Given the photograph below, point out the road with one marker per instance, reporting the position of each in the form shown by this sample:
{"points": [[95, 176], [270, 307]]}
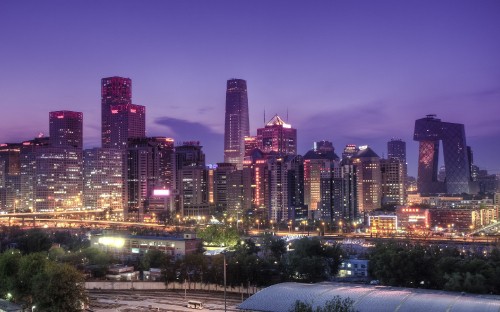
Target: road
{"points": [[133, 300]]}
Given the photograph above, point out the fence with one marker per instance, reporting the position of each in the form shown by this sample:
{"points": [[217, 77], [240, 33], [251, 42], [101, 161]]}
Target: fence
{"points": [[138, 285]]}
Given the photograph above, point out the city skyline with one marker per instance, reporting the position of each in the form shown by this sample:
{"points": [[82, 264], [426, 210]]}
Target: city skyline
{"points": [[333, 68]]}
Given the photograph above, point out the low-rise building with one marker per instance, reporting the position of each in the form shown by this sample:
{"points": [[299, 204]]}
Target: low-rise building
{"points": [[353, 268], [122, 244], [383, 224]]}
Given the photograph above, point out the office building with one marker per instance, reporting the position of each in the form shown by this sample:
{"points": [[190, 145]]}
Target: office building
{"points": [[114, 91], [350, 150], [237, 125], [65, 128], [191, 180], [429, 131], [393, 173], [10, 171], [121, 120], [369, 180], [277, 136], [103, 180], [316, 160], [396, 148]]}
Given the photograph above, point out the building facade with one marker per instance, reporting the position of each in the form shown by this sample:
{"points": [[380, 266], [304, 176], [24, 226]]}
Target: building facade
{"points": [[429, 131], [237, 125]]}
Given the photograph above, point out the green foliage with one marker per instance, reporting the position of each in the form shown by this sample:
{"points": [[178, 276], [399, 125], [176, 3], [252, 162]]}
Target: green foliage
{"points": [[219, 235], [59, 288], [311, 261], [34, 240], [409, 265], [337, 304], [9, 266], [36, 280], [154, 259]]}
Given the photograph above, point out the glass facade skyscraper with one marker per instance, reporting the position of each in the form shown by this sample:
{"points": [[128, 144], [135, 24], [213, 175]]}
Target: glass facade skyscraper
{"points": [[429, 131], [237, 125]]}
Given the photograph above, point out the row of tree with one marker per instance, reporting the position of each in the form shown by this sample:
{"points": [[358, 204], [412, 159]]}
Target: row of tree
{"points": [[426, 266], [39, 282]]}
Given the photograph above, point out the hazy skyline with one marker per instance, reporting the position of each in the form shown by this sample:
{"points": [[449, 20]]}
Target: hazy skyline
{"points": [[356, 72]]}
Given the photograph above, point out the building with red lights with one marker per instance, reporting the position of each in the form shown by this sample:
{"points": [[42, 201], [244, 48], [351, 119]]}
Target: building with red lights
{"points": [[65, 128], [114, 91], [413, 218]]}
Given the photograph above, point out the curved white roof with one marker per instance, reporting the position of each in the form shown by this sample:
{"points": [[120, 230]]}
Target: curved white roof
{"points": [[281, 298]]}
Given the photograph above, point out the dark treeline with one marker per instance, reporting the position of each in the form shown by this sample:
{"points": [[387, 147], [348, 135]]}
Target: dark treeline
{"points": [[447, 268]]}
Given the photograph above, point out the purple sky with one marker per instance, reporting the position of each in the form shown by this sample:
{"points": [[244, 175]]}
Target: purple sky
{"points": [[347, 71]]}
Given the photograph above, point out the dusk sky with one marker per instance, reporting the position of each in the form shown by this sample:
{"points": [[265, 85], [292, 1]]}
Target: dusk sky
{"points": [[356, 72]]}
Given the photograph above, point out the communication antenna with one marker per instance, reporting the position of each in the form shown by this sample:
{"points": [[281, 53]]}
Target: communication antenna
{"points": [[287, 114], [264, 115]]}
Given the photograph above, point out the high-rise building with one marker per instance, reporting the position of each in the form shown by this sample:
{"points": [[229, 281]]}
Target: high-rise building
{"points": [[297, 209], [250, 145], [393, 172], [221, 185], [316, 160], [396, 148], [114, 91], [278, 189], [237, 125], [28, 160], [350, 150], [65, 128], [121, 120], [191, 180], [10, 187], [149, 169], [369, 180], [277, 136], [103, 180], [429, 131], [58, 178]]}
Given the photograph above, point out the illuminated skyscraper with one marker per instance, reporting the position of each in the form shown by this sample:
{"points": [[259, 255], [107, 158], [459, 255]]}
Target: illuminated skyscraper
{"points": [[396, 148], [369, 179], [429, 131], [315, 161], [103, 180], [121, 120], [277, 136], [237, 126], [191, 180], [65, 128]]}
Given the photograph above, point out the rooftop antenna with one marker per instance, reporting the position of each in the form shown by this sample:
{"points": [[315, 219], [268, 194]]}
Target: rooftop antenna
{"points": [[287, 114], [264, 115]]}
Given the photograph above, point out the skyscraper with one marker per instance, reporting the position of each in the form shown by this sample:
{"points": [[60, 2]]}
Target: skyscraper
{"points": [[237, 126], [65, 128], [369, 180], [103, 180], [121, 120], [114, 91], [396, 148], [277, 136], [429, 131]]}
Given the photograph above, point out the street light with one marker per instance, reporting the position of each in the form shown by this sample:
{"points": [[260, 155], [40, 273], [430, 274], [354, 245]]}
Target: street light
{"points": [[340, 226], [258, 225]]}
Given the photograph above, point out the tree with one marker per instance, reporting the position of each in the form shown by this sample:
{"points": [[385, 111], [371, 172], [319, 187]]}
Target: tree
{"points": [[154, 259], [34, 240], [219, 235], [311, 261], [59, 288], [29, 267], [9, 266], [337, 304]]}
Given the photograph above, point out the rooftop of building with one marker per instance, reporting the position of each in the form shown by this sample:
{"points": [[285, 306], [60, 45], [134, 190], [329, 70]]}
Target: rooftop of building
{"points": [[282, 297]]}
